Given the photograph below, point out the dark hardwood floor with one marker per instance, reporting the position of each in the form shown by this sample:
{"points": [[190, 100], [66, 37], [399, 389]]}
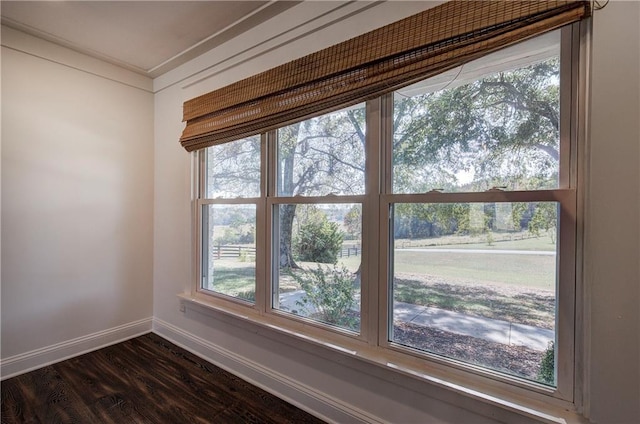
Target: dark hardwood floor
{"points": [[142, 380]]}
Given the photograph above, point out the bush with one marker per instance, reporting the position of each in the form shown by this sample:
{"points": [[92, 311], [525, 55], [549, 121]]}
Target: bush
{"points": [[547, 366], [331, 292], [318, 240], [249, 295]]}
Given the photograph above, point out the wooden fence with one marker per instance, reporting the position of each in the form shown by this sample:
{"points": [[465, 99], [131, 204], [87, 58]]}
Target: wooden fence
{"points": [[231, 251], [348, 251]]}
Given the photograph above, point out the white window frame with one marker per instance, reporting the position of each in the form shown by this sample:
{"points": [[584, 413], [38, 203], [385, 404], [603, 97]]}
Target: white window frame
{"points": [[372, 344], [565, 194]]}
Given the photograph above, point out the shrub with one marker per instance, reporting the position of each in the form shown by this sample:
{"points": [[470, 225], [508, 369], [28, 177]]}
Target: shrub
{"points": [[547, 366], [318, 240], [331, 292], [248, 295]]}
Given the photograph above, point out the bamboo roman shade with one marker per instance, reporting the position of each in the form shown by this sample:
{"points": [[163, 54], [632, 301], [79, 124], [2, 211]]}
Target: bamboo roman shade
{"points": [[380, 61]]}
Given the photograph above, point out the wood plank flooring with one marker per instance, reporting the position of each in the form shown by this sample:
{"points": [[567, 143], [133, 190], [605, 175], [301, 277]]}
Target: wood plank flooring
{"points": [[142, 380]]}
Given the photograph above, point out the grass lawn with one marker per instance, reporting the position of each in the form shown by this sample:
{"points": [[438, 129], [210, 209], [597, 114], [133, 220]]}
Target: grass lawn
{"points": [[536, 271], [516, 288], [519, 288], [234, 278]]}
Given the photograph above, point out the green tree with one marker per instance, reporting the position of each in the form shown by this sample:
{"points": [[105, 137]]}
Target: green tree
{"points": [[545, 218], [502, 130], [243, 234], [233, 167], [417, 220], [320, 156], [518, 211], [353, 221]]}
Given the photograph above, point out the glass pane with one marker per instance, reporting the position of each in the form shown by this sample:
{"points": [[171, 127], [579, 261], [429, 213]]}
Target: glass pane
{"points": [[323, 155], [233, 169], [317, 254], [477, 282], [229, 250], [493, 123]]}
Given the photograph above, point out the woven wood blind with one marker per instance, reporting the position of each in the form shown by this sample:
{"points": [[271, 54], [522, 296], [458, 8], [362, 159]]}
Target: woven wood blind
{"points": [[369, 65]]}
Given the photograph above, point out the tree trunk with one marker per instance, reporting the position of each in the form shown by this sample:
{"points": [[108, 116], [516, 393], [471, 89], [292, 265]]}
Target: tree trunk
{"points": [[287, 213], [287, 141]]}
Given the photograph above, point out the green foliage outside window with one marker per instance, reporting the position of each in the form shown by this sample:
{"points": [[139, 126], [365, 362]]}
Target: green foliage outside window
{"points": [[547, 366], [317, 240], [353, 222], [330, 293]]}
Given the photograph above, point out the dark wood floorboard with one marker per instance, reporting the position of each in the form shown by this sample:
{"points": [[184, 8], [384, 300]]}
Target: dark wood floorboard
{"points": [[142, 380]]}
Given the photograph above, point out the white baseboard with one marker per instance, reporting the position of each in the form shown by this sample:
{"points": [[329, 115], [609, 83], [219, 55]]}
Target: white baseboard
{"points": [[304, 397], [29, 361]]}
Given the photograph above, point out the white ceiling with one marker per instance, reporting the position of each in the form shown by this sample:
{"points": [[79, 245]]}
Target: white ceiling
{"points": [[147, 37]]}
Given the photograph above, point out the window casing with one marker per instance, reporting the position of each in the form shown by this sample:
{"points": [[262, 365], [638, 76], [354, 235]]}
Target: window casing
{"points": [[378, 193]]}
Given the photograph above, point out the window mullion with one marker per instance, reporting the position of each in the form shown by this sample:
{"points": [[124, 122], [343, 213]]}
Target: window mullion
{"points": [[370, 231], [570, 126], [262, 280], [566, 170], [384, 304], [565, 324], [270, 173], [200, 193], [201, 188]]}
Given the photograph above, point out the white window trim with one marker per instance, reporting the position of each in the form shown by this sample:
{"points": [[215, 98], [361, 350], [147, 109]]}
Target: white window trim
{"points": [[518, 395]]}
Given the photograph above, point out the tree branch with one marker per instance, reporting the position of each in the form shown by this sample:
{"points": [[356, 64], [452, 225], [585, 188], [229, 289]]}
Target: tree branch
{"points": [[356, 125], [548, 150]]}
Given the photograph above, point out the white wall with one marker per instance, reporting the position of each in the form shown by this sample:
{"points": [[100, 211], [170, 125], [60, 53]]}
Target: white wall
{"points": [[611, 250], [77, 198]]}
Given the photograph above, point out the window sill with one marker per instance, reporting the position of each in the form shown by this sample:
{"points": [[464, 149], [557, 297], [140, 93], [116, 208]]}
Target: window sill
{"points": [[515, 399]]}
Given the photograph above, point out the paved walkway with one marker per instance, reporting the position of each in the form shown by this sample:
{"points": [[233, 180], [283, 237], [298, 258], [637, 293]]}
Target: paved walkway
{"points": [[493, 330], [468, 325]]}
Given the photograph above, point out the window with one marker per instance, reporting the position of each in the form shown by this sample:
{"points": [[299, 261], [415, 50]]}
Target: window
{"points": [[317, 229], [231, 182], [480, 205], [436, 223]]}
